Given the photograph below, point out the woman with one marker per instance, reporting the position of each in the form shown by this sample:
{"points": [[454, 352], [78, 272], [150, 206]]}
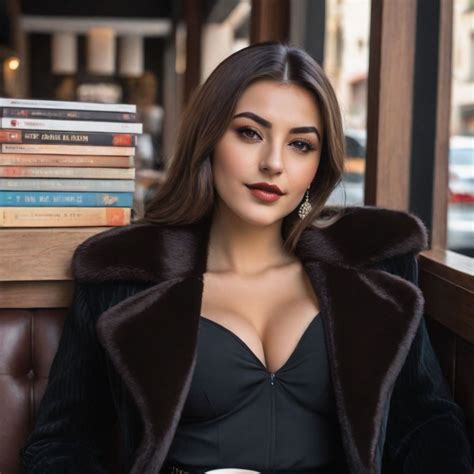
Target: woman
{"points": [[237, 327]]}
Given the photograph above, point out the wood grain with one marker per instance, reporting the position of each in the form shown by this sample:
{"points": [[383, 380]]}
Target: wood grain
{"points": [[40, 254]]}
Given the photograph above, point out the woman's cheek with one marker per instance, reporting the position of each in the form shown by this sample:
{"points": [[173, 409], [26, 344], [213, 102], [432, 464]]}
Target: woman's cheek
{"points": [[300, 175], [238, 164]]}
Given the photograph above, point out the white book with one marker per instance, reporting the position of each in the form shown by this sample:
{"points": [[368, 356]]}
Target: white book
{"points": [[67, 105], [70, 125]]}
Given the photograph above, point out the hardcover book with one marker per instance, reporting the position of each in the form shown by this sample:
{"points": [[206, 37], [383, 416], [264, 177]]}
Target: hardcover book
{"points": [[67, 138], [27, 184], [63, 216], [57, 114], [68, 150], [61, 104], [64, 199], [66, 172], [20, 159], [71, 125]]}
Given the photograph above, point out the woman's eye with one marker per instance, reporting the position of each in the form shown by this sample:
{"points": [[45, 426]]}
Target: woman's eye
{"points": [[304, 146], [301, 145], [248, 133]]}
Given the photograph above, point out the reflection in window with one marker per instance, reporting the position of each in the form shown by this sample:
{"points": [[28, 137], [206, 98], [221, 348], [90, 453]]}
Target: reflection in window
{"points": [[346, 62], [460, 230]]}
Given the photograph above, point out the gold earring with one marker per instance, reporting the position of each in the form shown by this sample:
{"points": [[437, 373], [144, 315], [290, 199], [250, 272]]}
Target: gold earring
{"points": [[306, 207]]}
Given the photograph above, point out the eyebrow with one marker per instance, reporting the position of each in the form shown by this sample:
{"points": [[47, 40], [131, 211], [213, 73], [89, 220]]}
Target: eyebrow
{"points": [[267, 124]]}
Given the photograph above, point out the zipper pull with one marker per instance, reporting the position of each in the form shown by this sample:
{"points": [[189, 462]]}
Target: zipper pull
{"points": [[272, 378]]}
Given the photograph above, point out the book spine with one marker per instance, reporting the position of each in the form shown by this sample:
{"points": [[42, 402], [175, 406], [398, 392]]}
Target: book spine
{"points": [[78, 185], [68, 149], [17, 112], [71, 125], [66, 160], [64, 216], [72, 105], [64, 199], [67, 138], [66, 172]]}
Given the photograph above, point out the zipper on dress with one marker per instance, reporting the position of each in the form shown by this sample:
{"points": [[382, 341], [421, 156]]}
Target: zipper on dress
{"points": [[272, 423]]}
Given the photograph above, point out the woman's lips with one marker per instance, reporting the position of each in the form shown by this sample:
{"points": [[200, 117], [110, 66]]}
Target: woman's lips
{"points": [[265, 196]]}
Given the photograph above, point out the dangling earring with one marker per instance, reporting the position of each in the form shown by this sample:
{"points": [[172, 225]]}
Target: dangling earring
{"points": [[306, 207]]}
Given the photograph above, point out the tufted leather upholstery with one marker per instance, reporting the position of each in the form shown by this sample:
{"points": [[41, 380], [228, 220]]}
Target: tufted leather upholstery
{"points": [[29, 339], [28, 342]]}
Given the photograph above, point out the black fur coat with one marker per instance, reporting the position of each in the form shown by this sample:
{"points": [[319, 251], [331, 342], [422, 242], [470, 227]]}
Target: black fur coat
{"points": [[127, 352]]}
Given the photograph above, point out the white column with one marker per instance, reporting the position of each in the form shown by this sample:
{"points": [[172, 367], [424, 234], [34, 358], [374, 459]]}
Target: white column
{"points": [[64, 53], [217, 43], [131, 56], [101, 50]]}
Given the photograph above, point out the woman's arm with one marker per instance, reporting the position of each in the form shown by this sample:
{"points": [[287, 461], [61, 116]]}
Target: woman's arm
{"points": [[426, 431], [75, 417]]}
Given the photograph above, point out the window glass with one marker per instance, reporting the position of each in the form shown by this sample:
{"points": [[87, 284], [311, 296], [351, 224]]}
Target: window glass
{"points": [[460, 219]]}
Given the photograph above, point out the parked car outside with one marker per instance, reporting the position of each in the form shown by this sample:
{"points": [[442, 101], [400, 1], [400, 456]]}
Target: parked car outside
{"points": [[460, 218], [461, 195]]}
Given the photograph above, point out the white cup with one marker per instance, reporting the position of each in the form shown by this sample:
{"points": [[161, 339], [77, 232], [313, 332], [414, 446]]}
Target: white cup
{"points": [[232, 470]]}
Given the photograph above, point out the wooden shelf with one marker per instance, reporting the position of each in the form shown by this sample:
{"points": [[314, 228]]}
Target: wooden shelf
{"points": [[35, 294], [35, 265], [447, 282], [42, 254]]}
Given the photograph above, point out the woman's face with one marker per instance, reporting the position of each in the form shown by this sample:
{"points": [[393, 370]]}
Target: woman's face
{"points": [[260, 145]]}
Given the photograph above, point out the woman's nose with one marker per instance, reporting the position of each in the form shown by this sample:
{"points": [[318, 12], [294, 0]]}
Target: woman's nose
{"points": [[272, 161]]}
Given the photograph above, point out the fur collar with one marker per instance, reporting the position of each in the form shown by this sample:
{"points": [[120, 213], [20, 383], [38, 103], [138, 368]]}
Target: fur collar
{"points": [[151, 337], [362, 237]]}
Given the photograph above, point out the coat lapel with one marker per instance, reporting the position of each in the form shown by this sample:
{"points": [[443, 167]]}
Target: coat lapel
{"points": [[371, 317]]}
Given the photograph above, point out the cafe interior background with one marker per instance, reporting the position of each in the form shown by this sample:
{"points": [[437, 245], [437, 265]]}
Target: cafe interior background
{"points": [[146, 53]]}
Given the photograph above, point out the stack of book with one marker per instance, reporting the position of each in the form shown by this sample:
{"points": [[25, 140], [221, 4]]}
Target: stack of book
{"points": [[66, 164]]}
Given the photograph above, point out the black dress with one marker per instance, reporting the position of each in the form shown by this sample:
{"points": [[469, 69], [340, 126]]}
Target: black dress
{"points": [[238, 414]]}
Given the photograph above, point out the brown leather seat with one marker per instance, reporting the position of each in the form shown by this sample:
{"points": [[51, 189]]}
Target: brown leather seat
{"points": [[28, 342], [29, 339]]}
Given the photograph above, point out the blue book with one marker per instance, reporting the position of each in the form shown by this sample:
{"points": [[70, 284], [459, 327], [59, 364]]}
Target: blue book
{"points": [[64, 199]]}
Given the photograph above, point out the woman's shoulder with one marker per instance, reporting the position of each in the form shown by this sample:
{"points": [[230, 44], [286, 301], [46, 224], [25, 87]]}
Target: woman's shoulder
{"points": [[116, 254], [365, 236]]}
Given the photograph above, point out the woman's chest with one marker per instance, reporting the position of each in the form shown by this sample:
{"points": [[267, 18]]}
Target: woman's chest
{"points": [[269, 314]]}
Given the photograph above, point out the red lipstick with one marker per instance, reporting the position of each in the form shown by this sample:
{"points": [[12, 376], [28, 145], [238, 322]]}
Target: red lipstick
{"points": [[271, 188], [265, 191]]}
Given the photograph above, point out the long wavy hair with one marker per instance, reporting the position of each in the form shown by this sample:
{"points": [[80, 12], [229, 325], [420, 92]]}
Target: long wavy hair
{"points": [[188, 193]]}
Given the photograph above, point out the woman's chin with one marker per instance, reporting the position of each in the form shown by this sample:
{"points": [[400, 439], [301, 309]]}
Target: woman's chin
{"points": [[262, 218]]}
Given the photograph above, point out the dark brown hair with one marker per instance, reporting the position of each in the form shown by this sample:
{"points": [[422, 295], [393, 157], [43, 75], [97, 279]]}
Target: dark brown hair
{"points": [[188, 193]]}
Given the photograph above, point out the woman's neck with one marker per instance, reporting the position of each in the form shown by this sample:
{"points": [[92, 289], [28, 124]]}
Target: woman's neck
{"points": [[239, 247]]}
